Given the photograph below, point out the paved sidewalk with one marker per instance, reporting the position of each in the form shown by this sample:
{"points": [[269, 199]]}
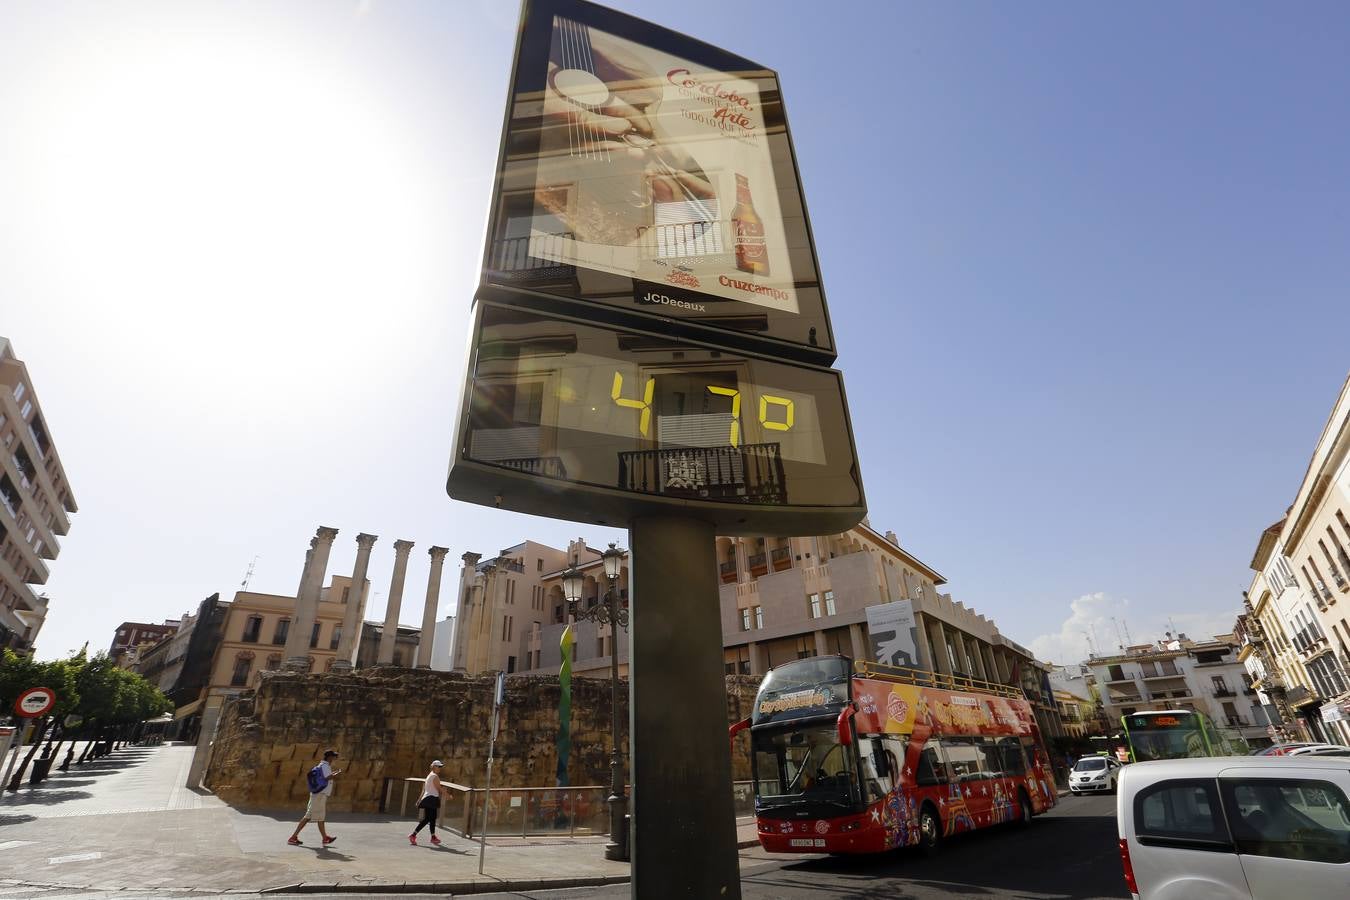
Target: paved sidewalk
{"points": [[125, 823]]}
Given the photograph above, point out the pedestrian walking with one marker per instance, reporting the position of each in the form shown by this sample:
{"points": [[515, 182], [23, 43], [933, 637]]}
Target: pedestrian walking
{"points": [[430, 803], [320, 782]]}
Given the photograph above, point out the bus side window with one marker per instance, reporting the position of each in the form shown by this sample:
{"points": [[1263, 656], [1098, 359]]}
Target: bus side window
{"points": [[876, 777], [1014, 763], [895, 753], [931, 768]]}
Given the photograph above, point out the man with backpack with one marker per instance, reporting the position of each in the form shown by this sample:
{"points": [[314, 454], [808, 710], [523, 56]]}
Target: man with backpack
{"points": [[320, 782]]}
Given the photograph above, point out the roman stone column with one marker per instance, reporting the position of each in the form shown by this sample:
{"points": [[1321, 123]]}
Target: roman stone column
{"points": [[351, 617], [437, 555], [309, 561], [389, 636], [307, 604], [468, 579]]}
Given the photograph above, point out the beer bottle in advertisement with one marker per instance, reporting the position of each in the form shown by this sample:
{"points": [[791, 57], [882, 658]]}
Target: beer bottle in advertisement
{"points": [[751, 253]]}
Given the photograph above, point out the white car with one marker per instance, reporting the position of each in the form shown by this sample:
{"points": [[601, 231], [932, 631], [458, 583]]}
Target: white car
{"points": [[1236, 828], [1094, 773]]}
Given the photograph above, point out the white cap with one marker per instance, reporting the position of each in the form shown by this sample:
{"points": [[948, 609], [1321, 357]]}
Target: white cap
{"points": [[436, 762]]}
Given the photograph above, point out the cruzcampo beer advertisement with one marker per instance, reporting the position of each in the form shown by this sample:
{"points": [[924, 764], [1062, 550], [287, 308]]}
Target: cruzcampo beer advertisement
{"points": [[659, 161]]}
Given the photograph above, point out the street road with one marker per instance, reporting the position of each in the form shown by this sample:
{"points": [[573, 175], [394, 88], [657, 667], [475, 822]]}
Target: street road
{"points": [[1069, 854]]}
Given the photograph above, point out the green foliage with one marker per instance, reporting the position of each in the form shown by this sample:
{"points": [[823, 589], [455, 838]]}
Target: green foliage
{"points": [[94, 689]]}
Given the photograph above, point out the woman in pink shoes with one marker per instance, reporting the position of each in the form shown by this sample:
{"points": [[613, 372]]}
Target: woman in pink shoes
{"points": [[430, 803]]}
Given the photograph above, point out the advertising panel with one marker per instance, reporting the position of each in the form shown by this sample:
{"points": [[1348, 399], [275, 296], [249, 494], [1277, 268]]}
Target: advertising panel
{"points": [[892, 630], [653, 173], [898, 708]]}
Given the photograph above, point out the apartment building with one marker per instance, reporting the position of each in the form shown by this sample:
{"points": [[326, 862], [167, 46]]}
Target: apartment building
{"points": [[1295, 623], [35, 504], [1079, 705], [505, 602], [130, 637], [1178, 673], [781, 599], [180, 664], [253, 637]]}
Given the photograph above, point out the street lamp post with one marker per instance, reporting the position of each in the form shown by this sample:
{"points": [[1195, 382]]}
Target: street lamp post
{"points": [[613, 614]]}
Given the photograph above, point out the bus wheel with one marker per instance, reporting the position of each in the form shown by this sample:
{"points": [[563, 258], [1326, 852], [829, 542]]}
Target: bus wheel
{"points": [[930, 831], [1024, 810]]}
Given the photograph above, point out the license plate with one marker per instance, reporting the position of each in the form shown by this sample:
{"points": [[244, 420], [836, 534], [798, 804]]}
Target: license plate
{"points": [[806, 842]]}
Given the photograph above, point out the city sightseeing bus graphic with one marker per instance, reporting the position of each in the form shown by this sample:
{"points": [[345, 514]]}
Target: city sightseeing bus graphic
{"points": [[865, 762]]}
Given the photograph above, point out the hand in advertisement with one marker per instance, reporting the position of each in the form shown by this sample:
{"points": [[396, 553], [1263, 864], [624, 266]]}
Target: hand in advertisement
{"points": [[603, 96]]}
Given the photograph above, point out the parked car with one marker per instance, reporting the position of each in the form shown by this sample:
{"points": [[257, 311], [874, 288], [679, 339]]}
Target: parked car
{"points": [[1320, 750], [1225, 828], [1282, 749], [1093, 773]]}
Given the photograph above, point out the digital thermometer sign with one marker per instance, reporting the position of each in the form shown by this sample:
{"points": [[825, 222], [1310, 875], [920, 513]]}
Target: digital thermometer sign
{"points": [[650, 336], [651, 421]]}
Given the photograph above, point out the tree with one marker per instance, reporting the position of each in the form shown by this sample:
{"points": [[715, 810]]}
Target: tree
{"points": [[108, 700], [18, 674]]}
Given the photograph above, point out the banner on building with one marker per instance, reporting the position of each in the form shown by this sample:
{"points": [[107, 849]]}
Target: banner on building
{"points": [[1332, 712], [893, 633]]}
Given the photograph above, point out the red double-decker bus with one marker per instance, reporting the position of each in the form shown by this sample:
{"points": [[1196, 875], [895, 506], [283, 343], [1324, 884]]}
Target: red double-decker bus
{"points": [[861, 758]]}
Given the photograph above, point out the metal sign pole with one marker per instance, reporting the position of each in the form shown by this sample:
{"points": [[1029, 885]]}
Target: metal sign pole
{"points": [[498, 698], [681, 798], [14, 757]]}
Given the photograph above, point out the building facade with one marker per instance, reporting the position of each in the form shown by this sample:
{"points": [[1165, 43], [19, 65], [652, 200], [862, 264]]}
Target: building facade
{"points": [[35, 504], [1178, 673], [131, 637], [1295, 622], [781, 598], [405, 645], [253, 637], [180, 664]]}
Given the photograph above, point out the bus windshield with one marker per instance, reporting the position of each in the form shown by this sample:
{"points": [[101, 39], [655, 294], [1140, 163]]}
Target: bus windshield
{"points": [[1167, 736], [803, 764]]}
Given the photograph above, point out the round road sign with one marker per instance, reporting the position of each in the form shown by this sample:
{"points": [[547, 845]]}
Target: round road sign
{"points": [[35, 702]]}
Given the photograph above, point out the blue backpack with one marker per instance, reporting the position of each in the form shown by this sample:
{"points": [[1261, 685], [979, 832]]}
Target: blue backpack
{"points": [[317, 780]]}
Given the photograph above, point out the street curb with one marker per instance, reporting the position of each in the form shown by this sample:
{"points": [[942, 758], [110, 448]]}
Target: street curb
{"points": [[449, 887], [317, 887], [753, 842]]}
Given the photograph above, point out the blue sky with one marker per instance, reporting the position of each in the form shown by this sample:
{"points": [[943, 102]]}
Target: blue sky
{"points": [[1086, 267]]}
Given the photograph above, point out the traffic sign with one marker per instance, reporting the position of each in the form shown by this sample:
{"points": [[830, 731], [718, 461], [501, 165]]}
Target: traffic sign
{"points": [[35, 702]]}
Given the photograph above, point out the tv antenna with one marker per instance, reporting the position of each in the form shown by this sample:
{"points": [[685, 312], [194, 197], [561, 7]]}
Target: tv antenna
{"points": [[1119, 637], [248, 576]]}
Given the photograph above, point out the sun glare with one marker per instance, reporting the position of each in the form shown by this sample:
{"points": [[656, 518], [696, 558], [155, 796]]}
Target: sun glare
{"points": [[219, 188]]}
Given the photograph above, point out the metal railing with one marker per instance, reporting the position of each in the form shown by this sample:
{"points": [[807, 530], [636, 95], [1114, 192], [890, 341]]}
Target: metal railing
{"points": [[528, 812], [883, 672]]}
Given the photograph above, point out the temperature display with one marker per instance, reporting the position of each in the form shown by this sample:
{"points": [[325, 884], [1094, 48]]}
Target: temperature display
{"points": [[642, 414]]}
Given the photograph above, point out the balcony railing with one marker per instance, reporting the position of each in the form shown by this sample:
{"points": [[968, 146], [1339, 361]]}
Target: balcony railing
{"points": [[751, 473], [1224, 692], [1236, 720], [728, 571], [1249, 691], [1323, 590], [781, 557], [758, 561]]}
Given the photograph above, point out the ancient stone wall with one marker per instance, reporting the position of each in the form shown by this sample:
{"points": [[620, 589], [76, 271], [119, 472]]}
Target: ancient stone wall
{"points": [[389, 723]]}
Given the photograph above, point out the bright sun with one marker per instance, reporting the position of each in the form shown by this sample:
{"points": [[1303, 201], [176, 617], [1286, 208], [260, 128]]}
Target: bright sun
{"points": [[207, 179]]}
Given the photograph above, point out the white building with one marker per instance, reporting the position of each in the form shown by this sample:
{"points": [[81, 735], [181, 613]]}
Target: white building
{"points": [[1203, 676], [442, 645]]}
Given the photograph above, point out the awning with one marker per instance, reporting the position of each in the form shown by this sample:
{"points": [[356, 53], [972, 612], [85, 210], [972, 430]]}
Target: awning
{"points": [[184, 711]]}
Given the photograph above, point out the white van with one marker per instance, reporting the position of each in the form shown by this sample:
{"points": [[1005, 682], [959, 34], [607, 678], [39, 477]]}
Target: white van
{"points": [[1224, 828]]}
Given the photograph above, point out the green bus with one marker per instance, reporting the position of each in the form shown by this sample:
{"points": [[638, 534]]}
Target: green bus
{"points": [[1178, 733]]}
